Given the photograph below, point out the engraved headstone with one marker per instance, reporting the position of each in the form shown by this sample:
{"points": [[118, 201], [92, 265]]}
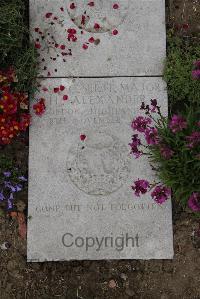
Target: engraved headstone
{"points": [[99, 38], [81, 205]]}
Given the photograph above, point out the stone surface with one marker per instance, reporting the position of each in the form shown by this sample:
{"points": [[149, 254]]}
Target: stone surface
{"points": [[81, 205], [128, 37]]}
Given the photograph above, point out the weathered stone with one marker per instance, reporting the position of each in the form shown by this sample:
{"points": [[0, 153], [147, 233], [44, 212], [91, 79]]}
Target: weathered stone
{"points": [[80, 174], [128, 40]]}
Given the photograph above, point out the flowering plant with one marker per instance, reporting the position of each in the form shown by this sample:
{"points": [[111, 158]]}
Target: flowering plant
{"points": [[173, 148], [11, 180], [14, 117]]}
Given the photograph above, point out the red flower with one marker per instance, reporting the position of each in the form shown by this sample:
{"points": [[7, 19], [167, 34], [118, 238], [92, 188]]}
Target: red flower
{"points": [[37, 45], [185, 26], [62, 87], [115, 6], [56, 89], [91, 3], [71, 30], [85, 47], [91, 39], [65, 97], [96, 26], [115, 32], [25, 120], [2, 119], [62, 9], [40, 107], [83, 20], [48, 15], [71, 34], [82, 137], [62, 47], [72, 6], [9, 106]]}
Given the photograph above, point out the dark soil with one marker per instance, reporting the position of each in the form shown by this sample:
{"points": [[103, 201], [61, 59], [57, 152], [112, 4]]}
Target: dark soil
{"points": [[179, 278]]}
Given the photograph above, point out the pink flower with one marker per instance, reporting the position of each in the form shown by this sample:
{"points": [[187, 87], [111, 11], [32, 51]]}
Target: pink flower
{"points": [[151, 136], [160, 194], [154, 105], [194, 202], [193, 139], [166, 152], [197, 64], [145, 108], [196, 74], [134, 146], [177, 123], [198, 124], [140, 187], [141, 123]]}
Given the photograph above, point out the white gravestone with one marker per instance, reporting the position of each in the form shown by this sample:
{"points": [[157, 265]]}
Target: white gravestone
{"points": [[107, 38], [81, 205]]}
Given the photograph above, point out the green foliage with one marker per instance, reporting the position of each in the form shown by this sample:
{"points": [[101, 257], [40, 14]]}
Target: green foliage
{"points": [[182, 88], [182, 171], [8, 164], [15, 47]]}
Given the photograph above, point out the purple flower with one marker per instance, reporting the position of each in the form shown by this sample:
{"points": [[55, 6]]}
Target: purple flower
{"points": [[22, 178], [145, 108], [151, 136], [177, 123], [140, 187], [160, 194], [196, 74], [154, 105], [1, 196], [9, 201], [7, 174], [166, 152], [134, 146], [194, 202], [10, 186], [193, 139], [18, 187], [141, 123]]}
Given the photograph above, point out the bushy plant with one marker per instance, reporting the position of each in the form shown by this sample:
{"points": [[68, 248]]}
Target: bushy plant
{"points": [[173, 149], [14, 116], [16, 50], [183, 89]]}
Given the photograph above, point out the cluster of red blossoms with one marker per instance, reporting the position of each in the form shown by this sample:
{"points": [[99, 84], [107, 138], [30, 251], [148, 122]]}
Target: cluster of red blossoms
{"points": [[13, 108]]}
